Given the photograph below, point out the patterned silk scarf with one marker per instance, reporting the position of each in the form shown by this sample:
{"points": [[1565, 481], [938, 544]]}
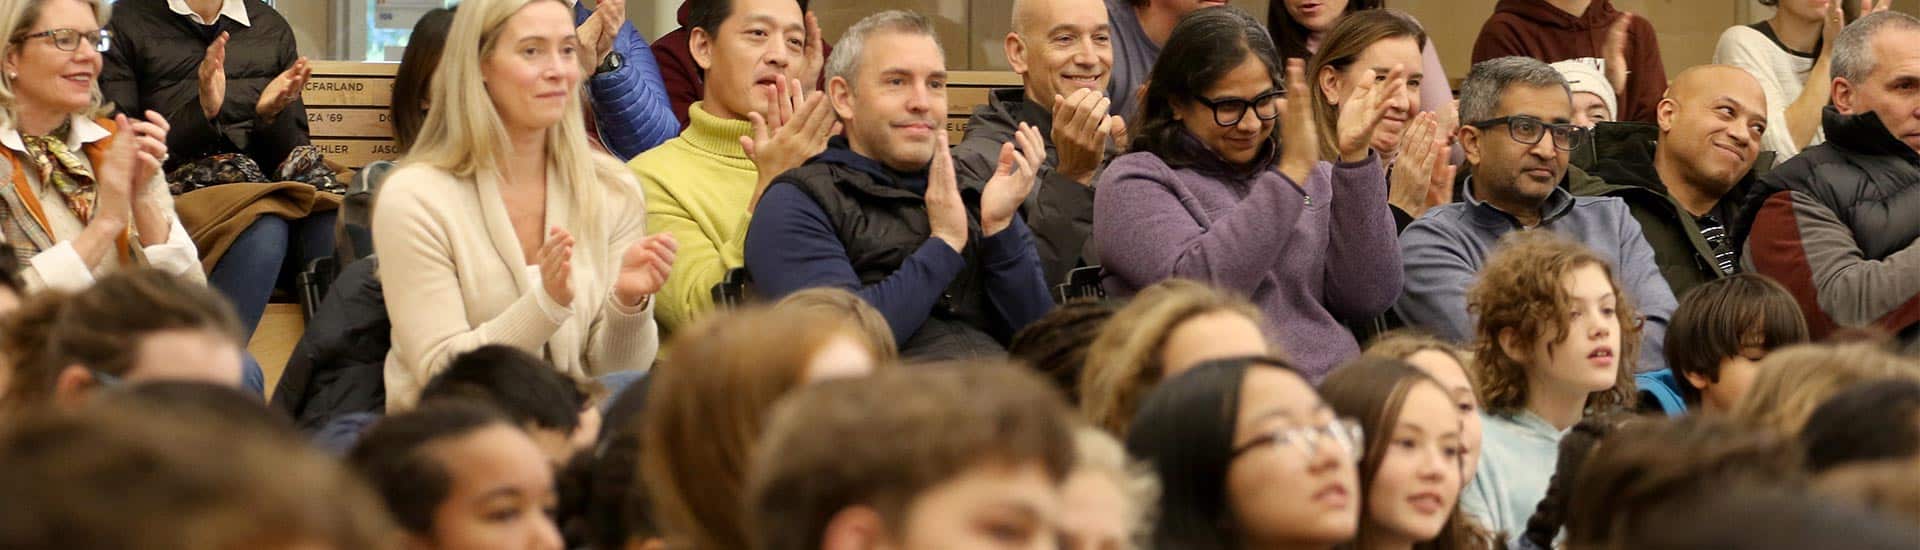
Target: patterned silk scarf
{"points": [[62, 170]]}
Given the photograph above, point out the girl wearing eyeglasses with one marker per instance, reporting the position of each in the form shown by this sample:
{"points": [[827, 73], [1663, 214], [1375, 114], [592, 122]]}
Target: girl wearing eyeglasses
{"points": [[1556, 340], [1213, 191], [1249, 457], [1415, 460], [84, 196]]}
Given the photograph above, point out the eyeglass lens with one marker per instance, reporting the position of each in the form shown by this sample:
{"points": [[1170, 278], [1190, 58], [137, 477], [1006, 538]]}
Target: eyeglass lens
{"points": [[1231, 111], [1530, 131], [69, 39]]}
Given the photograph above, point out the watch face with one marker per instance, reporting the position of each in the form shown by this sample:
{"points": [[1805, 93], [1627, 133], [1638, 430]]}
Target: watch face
{"points": [[612, 62]]}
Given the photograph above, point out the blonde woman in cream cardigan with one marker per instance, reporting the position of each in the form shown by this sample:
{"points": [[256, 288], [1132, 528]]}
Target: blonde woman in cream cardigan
{"points": [[502, 226]]}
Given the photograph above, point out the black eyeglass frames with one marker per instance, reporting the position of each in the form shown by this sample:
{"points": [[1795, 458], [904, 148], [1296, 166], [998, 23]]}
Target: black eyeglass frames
{"points": [[1530, 130]]}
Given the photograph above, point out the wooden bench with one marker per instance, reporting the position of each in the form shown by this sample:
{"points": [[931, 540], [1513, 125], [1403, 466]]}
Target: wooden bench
{"points": [[347, 107], [347, 111], [969, 89]]}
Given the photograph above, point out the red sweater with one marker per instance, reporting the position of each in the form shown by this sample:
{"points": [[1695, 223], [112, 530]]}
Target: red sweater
{"points": [[677, 69], [1536, 29]]}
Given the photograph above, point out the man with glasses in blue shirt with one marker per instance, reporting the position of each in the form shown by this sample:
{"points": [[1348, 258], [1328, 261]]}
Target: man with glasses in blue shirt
{"points": [[1516, 117]]}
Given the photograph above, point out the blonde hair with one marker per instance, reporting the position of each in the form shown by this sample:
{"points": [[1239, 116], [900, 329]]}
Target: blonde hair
{"points": [[1097, 452], [1124, 361], [1401, 344], [1795, 380], [465, 136], [16, 19], [841, 304], [707, 407]]}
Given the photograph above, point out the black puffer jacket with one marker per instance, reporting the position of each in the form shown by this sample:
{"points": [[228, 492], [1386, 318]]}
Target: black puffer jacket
{"points": [[882, 225], [154, 64], [338, 366], [1059, 210], [1862, 174]]}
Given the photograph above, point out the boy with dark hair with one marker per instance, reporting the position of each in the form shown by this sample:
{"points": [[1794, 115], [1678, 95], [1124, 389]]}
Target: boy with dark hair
{"points": [[844, 462], [552, 408], [1721, 330]]}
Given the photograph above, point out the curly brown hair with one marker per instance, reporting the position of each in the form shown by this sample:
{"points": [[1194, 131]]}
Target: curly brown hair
{"points": [[1520, 289]]}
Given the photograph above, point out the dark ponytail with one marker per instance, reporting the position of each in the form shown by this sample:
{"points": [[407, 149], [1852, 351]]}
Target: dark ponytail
{"points": [[1575, 447]]}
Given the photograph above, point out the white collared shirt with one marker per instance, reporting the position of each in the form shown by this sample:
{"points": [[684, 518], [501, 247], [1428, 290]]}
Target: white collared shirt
{"points": [[233, 9], [60, 267]]}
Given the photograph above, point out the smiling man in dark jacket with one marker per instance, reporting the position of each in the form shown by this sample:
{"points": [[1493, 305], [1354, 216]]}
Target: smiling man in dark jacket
{"points": [[881, 213], [1839, 225], [1683, 177], [1063, 51]]}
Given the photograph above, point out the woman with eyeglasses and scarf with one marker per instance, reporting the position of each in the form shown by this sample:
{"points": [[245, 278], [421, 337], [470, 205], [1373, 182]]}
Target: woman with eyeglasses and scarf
{"points": [[84, 196]]}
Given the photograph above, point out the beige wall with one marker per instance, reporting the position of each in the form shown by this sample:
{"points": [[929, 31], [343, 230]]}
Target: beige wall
{"points": [[310, 25], [1687, 30], [972, 30]]}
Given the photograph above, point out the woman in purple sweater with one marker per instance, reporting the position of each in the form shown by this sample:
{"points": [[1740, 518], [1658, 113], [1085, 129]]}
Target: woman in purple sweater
{"points": [[1210, 191]]}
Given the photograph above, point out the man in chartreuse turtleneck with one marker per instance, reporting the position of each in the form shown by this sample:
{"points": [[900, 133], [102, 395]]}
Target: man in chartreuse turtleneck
{"points": [[760, 116]]}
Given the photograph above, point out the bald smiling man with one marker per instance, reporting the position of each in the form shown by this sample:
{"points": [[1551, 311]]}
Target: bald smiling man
{"points": [[1063, 52], [1684, 175]]}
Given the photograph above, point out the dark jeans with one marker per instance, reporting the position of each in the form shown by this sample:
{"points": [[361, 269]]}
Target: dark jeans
{"points": [[252, 378], [270, 254]]}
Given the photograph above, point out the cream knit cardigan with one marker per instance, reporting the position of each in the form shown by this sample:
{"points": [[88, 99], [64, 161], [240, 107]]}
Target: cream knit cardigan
{"points": [[456, 280]]}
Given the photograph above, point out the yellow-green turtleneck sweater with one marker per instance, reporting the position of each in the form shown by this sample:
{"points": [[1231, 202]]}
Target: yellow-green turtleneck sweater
{"points": [[698, 186]]}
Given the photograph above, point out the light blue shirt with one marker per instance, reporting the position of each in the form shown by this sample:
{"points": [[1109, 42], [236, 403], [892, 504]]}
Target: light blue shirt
{"points": [[1520, 452]]}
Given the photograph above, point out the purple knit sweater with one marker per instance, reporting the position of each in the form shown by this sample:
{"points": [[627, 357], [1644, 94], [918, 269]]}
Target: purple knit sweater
{"points": [[1309, 257]]}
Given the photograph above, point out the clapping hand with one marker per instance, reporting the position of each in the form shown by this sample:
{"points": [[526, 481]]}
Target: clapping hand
{"points": [[1081, 128], [1421, 177], [1360, 114], [213, 77], [1299, 136], [1614, 52], [556, 265], [114, 178], [150, 138], [644, 268], [946, 213], [796, 129], [1012, 179], [815, 52], [602, 29], [283, 90]]}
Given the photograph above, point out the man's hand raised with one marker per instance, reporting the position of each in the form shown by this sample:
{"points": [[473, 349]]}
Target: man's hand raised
{"points": [[946, 213], [213, 77], [1012, 180], [1081, 128]]}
